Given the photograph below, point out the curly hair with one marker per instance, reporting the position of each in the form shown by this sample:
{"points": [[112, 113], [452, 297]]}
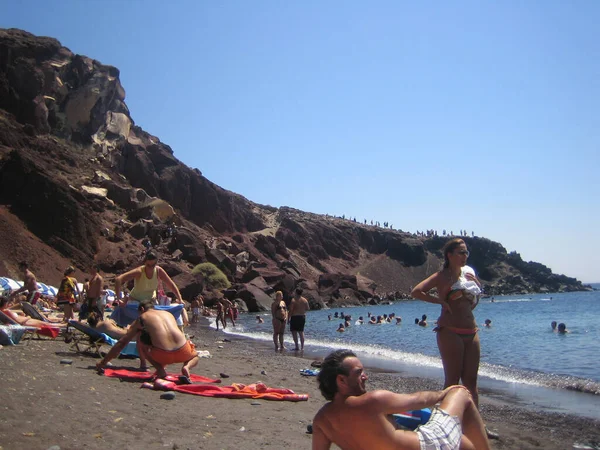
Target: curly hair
{"points": [[332, 367]]}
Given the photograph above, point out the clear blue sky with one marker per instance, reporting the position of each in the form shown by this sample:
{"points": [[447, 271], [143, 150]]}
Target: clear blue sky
{"points": [[429, 115]]}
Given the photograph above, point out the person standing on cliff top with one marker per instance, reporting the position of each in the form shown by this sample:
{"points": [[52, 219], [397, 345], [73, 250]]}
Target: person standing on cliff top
{"points": [[297, 317], [29, 284]]}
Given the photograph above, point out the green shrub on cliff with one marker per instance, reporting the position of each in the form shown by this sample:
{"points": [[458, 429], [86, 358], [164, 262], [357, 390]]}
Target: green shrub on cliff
{"points": [[213, 276]]}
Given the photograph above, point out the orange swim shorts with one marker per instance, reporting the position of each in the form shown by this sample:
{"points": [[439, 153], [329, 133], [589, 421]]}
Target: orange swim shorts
{"points": [[181, 355]]}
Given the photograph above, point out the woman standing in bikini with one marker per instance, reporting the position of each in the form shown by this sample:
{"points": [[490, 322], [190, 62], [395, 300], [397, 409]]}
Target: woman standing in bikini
{"points": [[458, 291], [279, 313]]}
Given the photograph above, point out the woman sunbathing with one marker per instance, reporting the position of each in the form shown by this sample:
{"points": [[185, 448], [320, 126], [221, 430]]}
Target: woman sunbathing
{"points": [[25, 320], [108, 326]]}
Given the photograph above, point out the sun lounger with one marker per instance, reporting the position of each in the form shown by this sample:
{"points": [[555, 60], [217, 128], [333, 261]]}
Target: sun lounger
{"points": [[91, 341], [33, 312], [48, 331]]}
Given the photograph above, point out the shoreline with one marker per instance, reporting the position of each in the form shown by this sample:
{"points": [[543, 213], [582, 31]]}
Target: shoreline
{"points": [[528, 396], [48, 403]]}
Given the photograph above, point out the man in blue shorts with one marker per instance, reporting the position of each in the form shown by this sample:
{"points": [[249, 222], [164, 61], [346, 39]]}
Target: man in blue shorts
{"points": [[356, 419]]}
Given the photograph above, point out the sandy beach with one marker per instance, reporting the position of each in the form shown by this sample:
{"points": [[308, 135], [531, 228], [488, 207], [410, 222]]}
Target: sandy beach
{"points": [[47, 403]]}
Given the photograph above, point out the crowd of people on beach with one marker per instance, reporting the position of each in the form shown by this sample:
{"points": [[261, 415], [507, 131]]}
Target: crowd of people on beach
{"points": [[161, 341]]}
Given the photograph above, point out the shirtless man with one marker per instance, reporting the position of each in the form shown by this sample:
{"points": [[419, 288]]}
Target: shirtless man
{"points": [[29, 284], [357, 419], [196, 304], [162, 342], [297, 317], [94, 291]]}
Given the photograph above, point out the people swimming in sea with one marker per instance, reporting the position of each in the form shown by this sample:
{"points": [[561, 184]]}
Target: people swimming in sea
{"points": [[553, 325], [423, 321], [562, 328], [346, 323], [398, 320], [417, 321], [329, 316], [372, 320], [488, 323], [360, 321], [259, 319], [341, 328]]}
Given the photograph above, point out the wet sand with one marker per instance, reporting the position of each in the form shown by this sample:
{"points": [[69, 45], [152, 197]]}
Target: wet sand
{"points": [[46, 403]]}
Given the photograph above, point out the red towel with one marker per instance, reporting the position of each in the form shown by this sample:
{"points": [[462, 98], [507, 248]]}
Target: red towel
{"points": [[133, 375], [47, 330], [258, 390]]}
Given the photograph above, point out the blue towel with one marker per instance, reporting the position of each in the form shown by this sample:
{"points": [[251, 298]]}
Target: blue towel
{"points": [[11, 334], [310, 372], [129, 350], [127, 315]]}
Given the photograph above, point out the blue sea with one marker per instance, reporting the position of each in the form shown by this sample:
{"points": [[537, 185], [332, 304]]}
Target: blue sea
{"points": [[522, 359]]}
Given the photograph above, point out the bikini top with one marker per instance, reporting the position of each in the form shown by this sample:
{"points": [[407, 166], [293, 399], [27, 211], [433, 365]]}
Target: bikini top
{"points": [[464, 284]]}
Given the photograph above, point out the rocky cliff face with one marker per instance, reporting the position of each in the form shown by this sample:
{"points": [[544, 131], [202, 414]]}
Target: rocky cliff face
{"points": [[91, 185]]}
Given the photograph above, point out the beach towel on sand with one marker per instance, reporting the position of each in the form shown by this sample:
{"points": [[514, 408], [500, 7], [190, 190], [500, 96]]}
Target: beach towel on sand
{"points": [[236, 390], [134, 375]]}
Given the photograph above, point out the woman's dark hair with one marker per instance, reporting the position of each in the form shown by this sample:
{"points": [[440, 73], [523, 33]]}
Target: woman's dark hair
{"points": [[449, 247], [3, 301], [332, 367], [93, 319]]}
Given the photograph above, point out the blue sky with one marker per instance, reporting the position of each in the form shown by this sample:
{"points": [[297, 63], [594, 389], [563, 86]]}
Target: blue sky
{"points": [[470, 115]]}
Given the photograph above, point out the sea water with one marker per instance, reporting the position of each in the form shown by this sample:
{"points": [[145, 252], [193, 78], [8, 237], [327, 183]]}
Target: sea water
{"points": [[522, 359]]}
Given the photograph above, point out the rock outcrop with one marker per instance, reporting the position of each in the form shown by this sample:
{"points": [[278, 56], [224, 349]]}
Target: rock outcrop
{"points": [[92, 185]]}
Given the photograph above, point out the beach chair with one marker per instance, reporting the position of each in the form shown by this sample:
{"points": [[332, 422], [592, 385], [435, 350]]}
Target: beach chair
{"points": [[30, 331], [35, 313], [89, 340]]}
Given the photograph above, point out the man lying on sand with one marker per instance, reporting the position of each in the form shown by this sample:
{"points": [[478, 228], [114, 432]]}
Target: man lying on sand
{"points": [[355, 419], [161, 341]]}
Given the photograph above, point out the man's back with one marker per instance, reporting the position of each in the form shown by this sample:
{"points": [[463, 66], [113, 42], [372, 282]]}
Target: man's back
{"points": [[358, 423], [299, 306], [163, 329]]}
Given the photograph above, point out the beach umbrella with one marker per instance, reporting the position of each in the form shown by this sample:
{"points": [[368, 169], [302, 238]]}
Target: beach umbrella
{"points": [[53, 291], [110, 292], [44, 289], [8, 284]]}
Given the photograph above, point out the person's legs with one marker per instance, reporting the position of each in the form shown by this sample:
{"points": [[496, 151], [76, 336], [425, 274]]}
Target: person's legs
{"points": [[281, 339], [458, 402], [472, 351], [275, 323], [188, 365], [68, 312], [452, 352], [142, 352], [295, 336], [301, 340], [160, 368]]}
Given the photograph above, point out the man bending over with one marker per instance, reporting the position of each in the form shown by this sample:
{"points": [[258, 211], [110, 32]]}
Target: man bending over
{"points": [[162, 343], [355, 419]]}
